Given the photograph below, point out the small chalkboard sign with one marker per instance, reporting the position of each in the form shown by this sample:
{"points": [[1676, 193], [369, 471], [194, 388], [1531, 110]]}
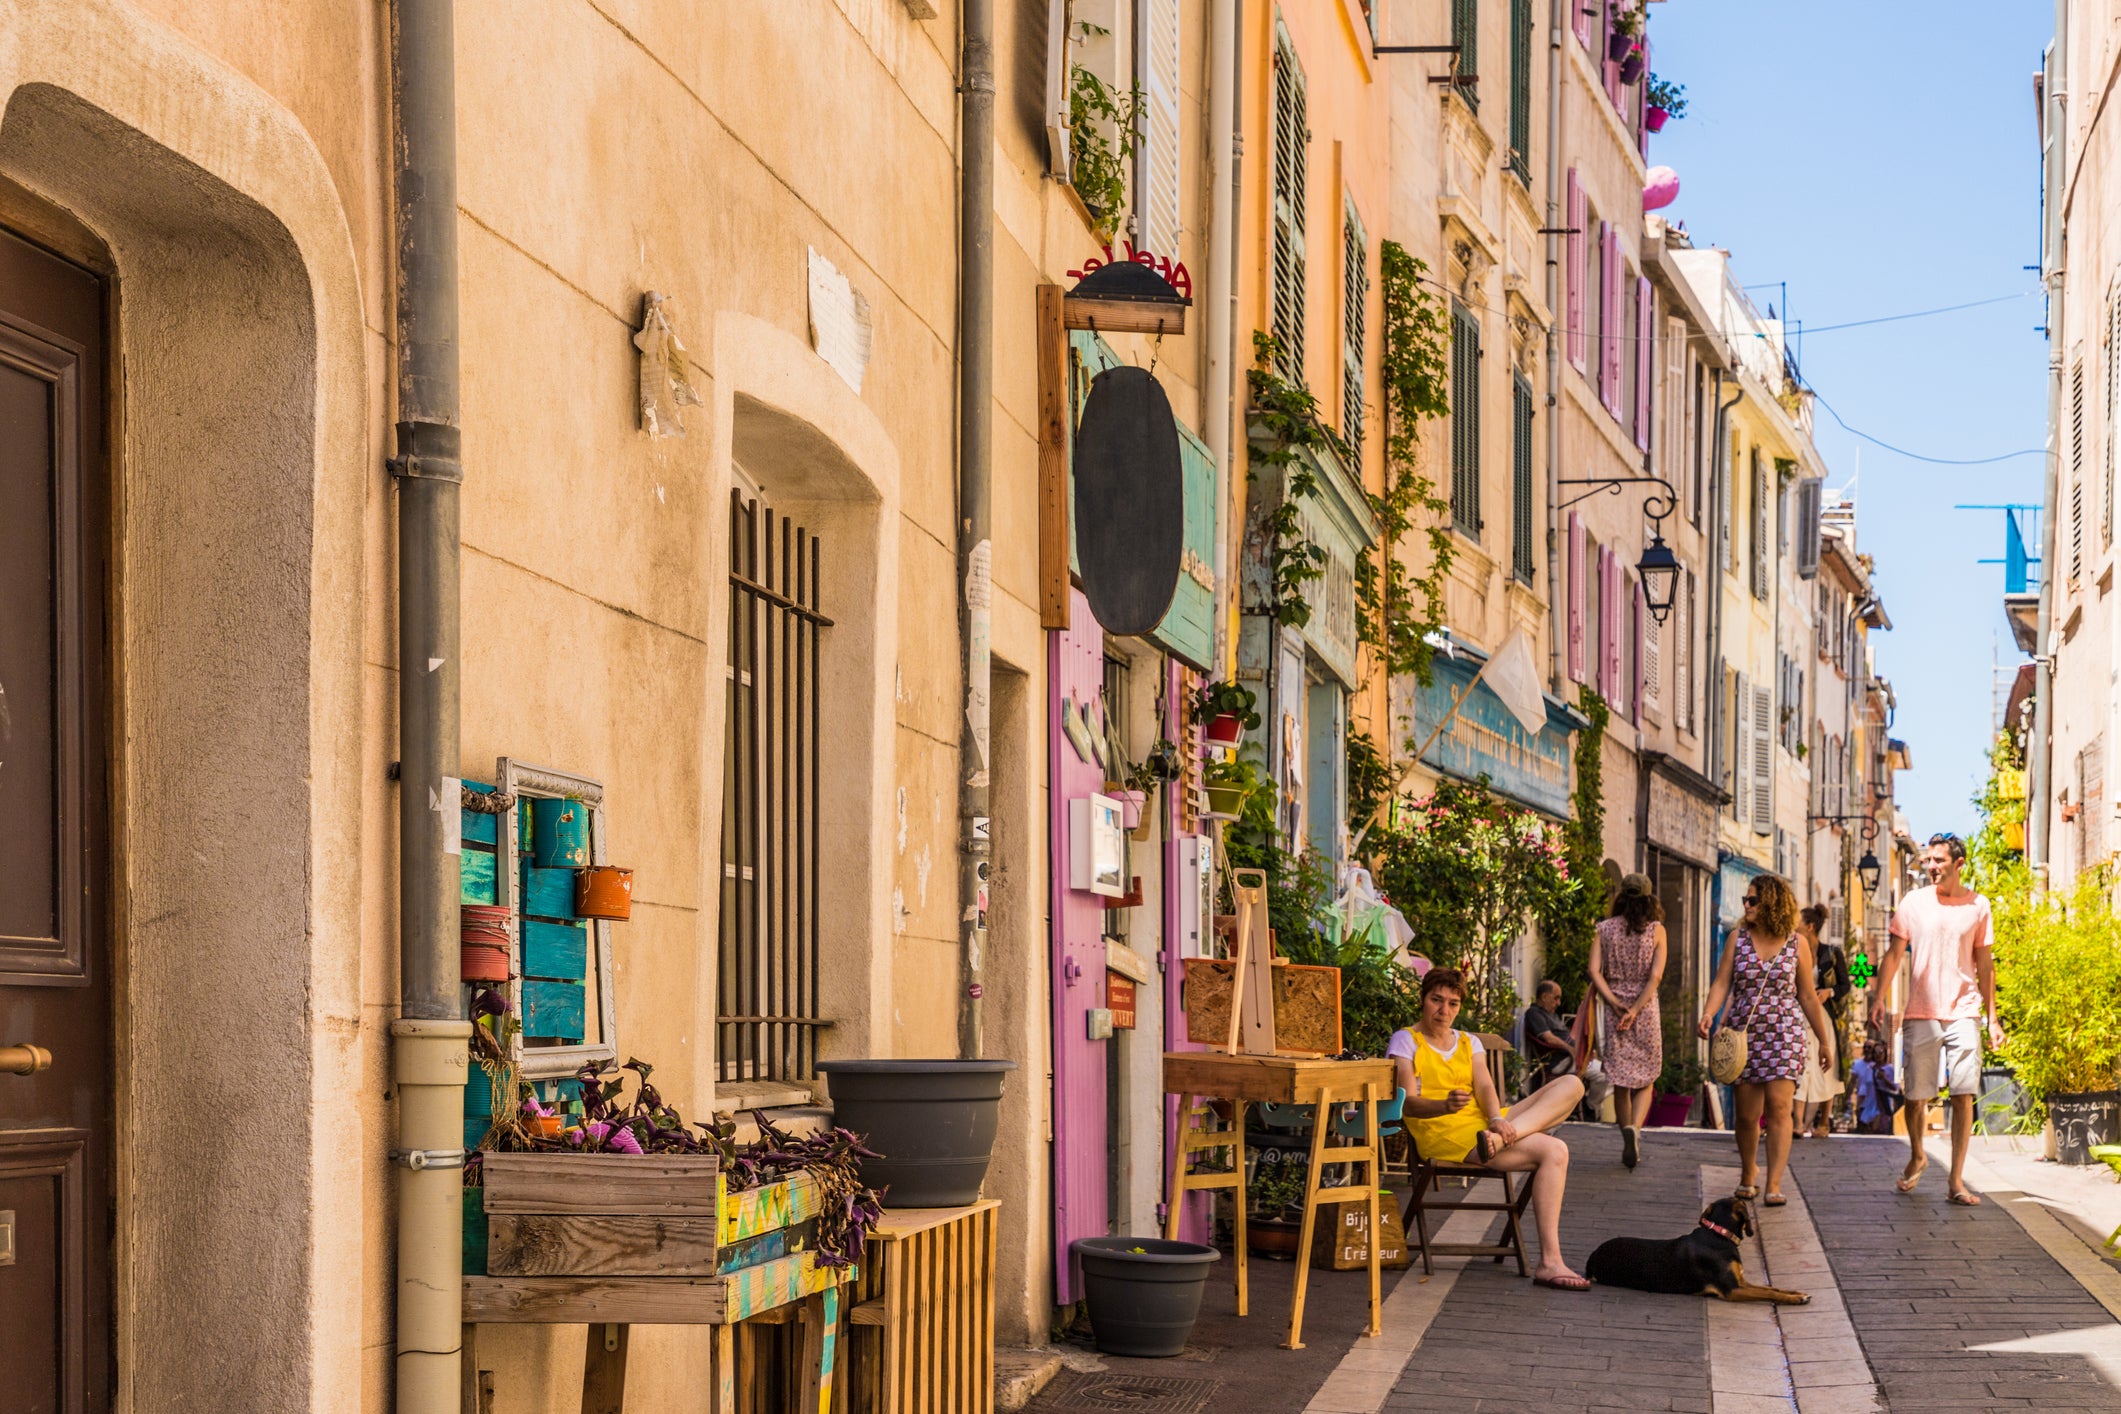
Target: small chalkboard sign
{"points": [[2083, 1120]]}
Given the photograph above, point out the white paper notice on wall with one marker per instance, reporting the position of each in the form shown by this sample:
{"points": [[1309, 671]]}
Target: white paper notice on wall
{"points": [[839, 321]]}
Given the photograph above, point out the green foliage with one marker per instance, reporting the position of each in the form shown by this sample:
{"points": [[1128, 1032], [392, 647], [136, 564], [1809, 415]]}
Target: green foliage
{"points": [[1097, 164], [1396, 613], [2058, 982], [1378, 993], [1282, 423], [1567, 926], [1993, 861], [1369, 778], [1299, 886], [1276, 1188], [1669, 96], [1232, 699], [1682, 1073], [1470, 871]]}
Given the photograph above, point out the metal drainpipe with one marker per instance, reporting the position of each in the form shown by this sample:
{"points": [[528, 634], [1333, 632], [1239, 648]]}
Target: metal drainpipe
{"points": [[429, 1050], [2039, 763], [975, 402], [1557, 628], [1220, 247], [1719, 476]]}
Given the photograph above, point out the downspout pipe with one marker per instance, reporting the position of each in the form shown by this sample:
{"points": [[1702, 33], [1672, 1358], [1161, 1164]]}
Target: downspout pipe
{"points": [[429, 1040], [1219, 244], [1557, 629], [975, 536], [2039, 807]]}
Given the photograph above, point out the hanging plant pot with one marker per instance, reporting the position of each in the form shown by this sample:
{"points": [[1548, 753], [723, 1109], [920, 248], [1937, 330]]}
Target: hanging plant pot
{"points": [[1131, 803], [1142, 1293], [1654, 118], [559, 834], [1631, 67], [930, 1122], [1225, 802], [1618, 45], [604, 891], [1227, 729]]}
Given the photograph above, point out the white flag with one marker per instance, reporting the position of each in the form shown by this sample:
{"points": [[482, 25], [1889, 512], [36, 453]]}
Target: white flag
{"points": [[1513, 676]]}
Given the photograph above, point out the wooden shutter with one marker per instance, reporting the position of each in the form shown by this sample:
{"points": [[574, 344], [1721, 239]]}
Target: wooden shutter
{"points": [[1292, 136], [1354, 310], [1160, 177], [2076, 469], [1723, 503], [1612, 622], [1465, 33], [1058, 113], [1578, 272], [1465, 421], [1763, 761], [1672, 429], [1609, 335], [1576, 596], [1645, 358], [1520, 154], [1683, 655], [1741, 751], [1522, 551], [1584, 10], [1651, 654], [2113, 411], [1759, 527], [1810, 497]]}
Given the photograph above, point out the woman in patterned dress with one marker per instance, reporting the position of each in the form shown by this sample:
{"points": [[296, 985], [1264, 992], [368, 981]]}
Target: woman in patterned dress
{"points": [[1766, 973], [1627, 963]]}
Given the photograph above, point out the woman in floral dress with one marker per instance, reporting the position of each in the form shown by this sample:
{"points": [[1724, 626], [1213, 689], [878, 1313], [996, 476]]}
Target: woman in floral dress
{"points": [[1766, 973], [1627, 963]]}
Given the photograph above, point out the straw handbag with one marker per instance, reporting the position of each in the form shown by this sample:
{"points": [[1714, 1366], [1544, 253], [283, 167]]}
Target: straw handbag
{"points": [[1728, 1047]]}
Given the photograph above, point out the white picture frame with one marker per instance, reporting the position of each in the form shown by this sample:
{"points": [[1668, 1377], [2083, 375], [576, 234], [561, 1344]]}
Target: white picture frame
{"points": [[518, 782], [1097, 854]]}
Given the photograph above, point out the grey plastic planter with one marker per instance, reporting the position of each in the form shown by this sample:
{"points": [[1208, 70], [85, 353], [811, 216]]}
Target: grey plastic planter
{"points": [[1142, 1302], [932, 1122]]}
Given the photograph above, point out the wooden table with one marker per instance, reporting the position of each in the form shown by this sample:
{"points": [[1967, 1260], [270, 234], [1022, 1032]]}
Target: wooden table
{"points": [[1287, 1080]]}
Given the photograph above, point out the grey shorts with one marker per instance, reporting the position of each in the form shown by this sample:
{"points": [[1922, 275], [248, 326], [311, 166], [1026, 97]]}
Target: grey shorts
{"points": [[1941, 1055]]}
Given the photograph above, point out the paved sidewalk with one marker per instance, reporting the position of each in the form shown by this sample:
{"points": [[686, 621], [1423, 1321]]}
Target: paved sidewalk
{"points": [[1918, 1305]]}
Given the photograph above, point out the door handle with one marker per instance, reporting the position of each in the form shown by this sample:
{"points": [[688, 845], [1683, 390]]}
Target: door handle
{"points": [[24, 1060]]}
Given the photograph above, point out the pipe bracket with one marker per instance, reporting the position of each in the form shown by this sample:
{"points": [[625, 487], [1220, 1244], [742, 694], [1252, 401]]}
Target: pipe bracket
{"points": [[430, 451], [418, 1159]]}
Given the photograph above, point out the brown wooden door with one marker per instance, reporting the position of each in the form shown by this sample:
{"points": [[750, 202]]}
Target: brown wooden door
{"points": [[55, 982]]}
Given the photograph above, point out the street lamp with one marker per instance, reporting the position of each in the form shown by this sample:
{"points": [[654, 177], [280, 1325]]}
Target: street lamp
{"points": [[1659, 572], [1869, 869]]}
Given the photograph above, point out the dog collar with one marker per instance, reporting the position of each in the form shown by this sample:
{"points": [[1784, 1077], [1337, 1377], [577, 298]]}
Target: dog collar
{"points": [[1722, 1232]]}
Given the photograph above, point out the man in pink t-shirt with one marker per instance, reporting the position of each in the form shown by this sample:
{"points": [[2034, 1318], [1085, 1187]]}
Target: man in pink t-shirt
{"points": [[1942, 932]]}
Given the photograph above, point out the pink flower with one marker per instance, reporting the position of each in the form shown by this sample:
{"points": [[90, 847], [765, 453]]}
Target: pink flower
{"points": [[623, 1142]]}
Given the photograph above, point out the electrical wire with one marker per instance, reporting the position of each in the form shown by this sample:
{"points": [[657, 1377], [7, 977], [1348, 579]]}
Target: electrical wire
{"points": [[1917, 456], [1918, 314]]}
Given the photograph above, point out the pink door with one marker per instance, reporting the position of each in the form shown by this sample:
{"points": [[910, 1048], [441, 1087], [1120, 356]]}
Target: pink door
{"points": [[1081, 1157]]}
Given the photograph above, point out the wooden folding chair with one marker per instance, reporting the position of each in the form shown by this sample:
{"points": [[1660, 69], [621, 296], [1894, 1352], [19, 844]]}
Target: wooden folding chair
{"points": [[1516, 1194]]}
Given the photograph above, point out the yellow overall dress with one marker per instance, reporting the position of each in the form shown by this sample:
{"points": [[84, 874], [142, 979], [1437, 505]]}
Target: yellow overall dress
{"points": [[1446, 1138]]}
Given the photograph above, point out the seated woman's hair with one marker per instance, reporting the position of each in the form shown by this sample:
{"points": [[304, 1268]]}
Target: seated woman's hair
{"points": [[1635, 902], [1778, 904], [1443, 977], [1814, 914]]}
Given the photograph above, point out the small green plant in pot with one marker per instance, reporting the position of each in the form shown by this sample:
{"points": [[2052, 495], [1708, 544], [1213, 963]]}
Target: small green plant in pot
{"points": [[1680, 1080], [1663, 101], [1104, 128], [1226, 711], [1230, 784]]}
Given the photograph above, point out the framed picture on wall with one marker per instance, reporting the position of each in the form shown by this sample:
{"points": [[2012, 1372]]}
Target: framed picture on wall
{"points": [[1097, 854]]}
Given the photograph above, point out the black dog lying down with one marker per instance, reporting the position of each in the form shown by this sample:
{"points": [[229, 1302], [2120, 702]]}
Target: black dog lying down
{"points": [[1703, 1263]]}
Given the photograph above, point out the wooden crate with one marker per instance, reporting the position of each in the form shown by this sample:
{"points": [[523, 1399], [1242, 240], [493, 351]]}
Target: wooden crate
{"points": [[922, 1322]]}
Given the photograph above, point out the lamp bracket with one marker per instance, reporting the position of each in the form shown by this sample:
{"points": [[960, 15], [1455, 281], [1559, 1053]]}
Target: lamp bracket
{"points": [[1667, 496]]}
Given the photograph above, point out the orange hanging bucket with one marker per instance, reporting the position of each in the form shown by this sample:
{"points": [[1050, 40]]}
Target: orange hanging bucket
{"points": [[603, 891], [484, 963], [483, 930]]}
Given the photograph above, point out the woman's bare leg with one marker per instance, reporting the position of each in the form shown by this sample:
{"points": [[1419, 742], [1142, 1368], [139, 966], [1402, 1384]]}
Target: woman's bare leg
{"points": [[1778, 1132], [1546, 1158], [1750, 1098], [1547, 1106]]}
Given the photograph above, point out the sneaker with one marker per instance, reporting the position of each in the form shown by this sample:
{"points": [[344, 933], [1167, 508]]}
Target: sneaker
{"points": [[1630, 1152]]}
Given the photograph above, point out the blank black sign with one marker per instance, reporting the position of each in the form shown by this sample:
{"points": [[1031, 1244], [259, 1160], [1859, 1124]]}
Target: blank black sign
{"points": [[1130, 501]]}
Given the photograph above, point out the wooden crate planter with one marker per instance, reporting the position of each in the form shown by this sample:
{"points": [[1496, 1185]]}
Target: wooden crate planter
{"points": [[922, 1322]]}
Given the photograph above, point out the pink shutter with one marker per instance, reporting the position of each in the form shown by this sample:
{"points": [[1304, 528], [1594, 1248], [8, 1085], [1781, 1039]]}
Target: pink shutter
{"points": [[1642, 102], [1583, 20], [1609, 327], [1607, 69], [1605, 622], [1576, 589], [1578, 212], [1615, 618], [1645, 357]]}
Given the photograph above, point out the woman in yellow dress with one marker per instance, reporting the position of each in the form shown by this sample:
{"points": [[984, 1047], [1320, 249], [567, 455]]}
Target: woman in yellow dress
{"points": [[1453, 1114]]}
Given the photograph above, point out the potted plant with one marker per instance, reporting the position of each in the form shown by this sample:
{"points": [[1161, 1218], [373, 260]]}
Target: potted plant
{"points": [[1131, 802], [1626, 36], [931, 1123], [1142, 1293], [1275, 1190], [2058, 995], [1226, 711], [1230, 783], [1666, 100], [1681, 1078], [1631, 67]]}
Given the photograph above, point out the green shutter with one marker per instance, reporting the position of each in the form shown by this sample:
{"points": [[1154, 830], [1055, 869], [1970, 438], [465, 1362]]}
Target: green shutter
{"points": [[1354, 300], [1465, 33], [1465, 421], [1520, 155], [1292, 135], [1521, 479]]}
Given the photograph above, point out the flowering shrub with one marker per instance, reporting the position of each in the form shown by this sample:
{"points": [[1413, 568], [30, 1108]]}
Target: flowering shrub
{"points": [[1470, 871]]}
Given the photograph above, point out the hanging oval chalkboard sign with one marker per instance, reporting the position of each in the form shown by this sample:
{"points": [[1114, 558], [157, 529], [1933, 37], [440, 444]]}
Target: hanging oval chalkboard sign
{"points": [[1130, 501]]}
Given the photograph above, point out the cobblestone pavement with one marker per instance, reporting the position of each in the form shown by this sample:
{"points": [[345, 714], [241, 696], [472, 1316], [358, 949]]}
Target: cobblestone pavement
{"points": [[1951, 1308]]}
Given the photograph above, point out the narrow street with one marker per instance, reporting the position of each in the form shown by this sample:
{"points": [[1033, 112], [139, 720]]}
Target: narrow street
{"points": [[1916, 1305]]}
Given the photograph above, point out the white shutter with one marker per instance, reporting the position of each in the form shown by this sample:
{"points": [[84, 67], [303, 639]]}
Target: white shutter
{"points": [[1683, 652], [1671, 436], [1723, 504], [1057, 153], [1160, 166], [1741, 751], [2113, 409], [1763, 761], [1354, 310], [1652, 663]]}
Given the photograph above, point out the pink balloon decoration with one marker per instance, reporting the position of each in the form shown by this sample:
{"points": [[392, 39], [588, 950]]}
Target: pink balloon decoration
{"points": [[1660, 188]]}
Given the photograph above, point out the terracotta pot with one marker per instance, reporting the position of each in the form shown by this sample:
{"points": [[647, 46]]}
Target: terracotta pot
{"points": [[544, 1126], [604, 891], [1225, 730], [559, 834], [483, 962]]}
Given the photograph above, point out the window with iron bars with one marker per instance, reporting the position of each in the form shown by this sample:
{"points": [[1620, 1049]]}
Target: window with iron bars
{"points": [[767, 965]]}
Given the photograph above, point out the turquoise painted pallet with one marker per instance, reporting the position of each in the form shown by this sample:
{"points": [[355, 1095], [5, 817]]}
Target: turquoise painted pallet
{"points": [[478, 872], [554, 1010], [548, 893], [555, 950]]}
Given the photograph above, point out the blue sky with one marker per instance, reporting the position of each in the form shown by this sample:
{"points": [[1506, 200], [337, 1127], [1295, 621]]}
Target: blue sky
{"points": [[1881, 158]]}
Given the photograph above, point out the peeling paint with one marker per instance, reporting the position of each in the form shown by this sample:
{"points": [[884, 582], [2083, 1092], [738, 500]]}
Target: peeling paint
{"points": [[901, 819], [899, 917], [921, 865]]}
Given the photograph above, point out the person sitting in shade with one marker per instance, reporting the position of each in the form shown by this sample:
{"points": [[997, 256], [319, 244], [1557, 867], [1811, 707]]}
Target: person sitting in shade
{"points": [[1454, 1114]]}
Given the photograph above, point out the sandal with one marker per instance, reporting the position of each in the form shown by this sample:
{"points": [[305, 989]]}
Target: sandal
{"points": [[1747, 1191], [1963, 1198], [1907, 1184], [1487, 1145], [1567, 1283], [1774, 1200]]}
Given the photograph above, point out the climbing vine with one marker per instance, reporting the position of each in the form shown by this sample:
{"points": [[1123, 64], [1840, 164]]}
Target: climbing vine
{"points": [[1571, 920], [1397, 613], [1282, 423]]}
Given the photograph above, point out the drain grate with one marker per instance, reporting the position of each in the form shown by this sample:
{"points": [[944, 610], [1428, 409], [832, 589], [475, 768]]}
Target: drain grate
{"points": [[1135, 1394]]}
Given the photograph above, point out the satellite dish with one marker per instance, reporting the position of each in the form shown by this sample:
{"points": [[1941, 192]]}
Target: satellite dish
{"points": [[1130, 501]]}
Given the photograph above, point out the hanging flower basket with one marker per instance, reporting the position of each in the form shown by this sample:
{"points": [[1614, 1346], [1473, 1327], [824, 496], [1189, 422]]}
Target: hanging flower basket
{"points": [[1631, 67], [1225, 802], [1225, 730], [1131, 804], [1654, 118], [1618, 45]]}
